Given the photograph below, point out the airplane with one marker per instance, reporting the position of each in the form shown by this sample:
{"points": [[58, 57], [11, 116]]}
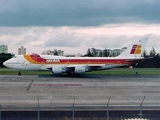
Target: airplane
{"points": [[77, 65]]}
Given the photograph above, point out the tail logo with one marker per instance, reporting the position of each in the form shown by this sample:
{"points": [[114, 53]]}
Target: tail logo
{"points": [[136, 49]]}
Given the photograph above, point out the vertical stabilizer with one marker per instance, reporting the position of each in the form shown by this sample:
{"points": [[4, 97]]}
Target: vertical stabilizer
{"points": [[136, 49]]}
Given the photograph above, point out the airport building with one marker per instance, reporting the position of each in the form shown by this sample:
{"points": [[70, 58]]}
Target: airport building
{"points": [[54, 52], [74, 55], [116, 52], [60, 52], [106, 52], [3, 49], [21, 50]]}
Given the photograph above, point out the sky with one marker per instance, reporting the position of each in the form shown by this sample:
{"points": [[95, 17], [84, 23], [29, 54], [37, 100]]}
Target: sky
{"points": [[76, 25]]}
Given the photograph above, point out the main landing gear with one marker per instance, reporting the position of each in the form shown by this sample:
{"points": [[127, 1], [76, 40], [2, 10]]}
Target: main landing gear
{"points": [[19, 73]]}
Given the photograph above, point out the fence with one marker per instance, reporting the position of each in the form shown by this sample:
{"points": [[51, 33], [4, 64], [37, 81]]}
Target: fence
{"points": [[74, 110]]}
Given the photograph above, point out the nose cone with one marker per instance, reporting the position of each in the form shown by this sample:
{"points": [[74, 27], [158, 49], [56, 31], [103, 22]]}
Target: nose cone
{"points": [[5, 63]]}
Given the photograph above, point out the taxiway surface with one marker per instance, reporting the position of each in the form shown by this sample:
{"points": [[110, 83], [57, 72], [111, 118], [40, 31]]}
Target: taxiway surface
{"points": [[87, 90]]}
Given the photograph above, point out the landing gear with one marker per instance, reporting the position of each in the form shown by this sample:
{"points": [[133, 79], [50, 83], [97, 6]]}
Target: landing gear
{"points": [[69, 73], [19, 73], [72, 74]]}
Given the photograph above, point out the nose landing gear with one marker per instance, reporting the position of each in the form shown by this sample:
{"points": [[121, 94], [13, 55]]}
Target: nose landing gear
{"points": [[19, 73]]}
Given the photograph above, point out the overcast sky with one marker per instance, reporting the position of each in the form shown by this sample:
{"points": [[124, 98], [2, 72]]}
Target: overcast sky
{"points": [[76, 25]]}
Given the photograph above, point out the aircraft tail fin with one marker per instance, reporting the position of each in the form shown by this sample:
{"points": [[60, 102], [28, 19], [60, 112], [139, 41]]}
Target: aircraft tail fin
{"points": [[136, 49]]}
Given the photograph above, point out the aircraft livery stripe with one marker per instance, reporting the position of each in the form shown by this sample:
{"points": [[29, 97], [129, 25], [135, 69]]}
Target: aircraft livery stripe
{"points": [[136, 49], [30, 59], [133, 49], [38, 60]]}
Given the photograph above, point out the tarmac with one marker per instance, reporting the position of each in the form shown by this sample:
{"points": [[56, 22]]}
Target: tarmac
{"points": [[85, 92]]}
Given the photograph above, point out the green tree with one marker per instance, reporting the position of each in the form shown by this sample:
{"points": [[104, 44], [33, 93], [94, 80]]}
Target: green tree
{"points": [[144, 54], [156, 61], [152, 62], [94, 52], [152, 52], [105, 53], [56, 52], [4, 57], [89, 54]]}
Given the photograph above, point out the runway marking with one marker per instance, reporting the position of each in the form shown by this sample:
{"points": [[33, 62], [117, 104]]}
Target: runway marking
{"points": [[28, 88], [66, 85]]}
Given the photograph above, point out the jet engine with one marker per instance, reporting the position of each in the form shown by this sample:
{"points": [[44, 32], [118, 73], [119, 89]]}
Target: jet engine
{"points": [[80, 69], [56, 70]]}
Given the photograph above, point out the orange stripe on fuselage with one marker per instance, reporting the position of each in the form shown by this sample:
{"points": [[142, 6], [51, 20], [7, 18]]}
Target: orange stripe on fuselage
{"points": [[30, 59]]}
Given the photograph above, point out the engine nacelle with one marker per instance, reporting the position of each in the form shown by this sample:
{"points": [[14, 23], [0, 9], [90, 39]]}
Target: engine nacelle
{"points": [[80, 69], [56, 70]]}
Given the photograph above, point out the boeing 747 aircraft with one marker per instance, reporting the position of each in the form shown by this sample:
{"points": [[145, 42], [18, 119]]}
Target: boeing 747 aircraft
{"points": [[77, 65]]}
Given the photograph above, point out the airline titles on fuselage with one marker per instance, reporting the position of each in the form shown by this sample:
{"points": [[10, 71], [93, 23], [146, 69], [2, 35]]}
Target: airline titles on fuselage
{"points": [[52, 60]]}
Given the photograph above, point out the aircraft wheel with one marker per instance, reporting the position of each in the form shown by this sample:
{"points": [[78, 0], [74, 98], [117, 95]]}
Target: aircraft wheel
{"points": [[69, 73], [19, 73]]}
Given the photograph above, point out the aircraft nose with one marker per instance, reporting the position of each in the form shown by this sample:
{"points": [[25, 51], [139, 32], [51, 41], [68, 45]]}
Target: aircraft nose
{"points": [[5, 63], [8, 63]]}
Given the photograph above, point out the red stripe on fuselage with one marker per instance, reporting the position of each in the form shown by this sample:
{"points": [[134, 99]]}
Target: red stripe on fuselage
{"points": [[37, 58], [41, 60]]}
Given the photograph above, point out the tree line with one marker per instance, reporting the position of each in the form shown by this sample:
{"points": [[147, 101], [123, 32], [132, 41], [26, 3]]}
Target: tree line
{"points": [[152, 60], [4, 57], [94, 53]]}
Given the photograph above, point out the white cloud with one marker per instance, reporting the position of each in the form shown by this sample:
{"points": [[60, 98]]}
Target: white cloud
{"points": [[77, 39], [75, 26]]}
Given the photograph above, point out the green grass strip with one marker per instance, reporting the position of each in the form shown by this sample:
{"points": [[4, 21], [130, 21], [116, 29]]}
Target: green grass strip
{"points": [[116, 71]]}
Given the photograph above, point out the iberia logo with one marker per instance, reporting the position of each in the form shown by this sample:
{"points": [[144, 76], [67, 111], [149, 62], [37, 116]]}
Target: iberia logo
{"points": [[136, 49]]}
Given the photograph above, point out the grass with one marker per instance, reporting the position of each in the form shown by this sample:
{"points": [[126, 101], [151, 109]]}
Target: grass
{"points": [[128, 71], [25, 72], [115, 71], [7, 71]]}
